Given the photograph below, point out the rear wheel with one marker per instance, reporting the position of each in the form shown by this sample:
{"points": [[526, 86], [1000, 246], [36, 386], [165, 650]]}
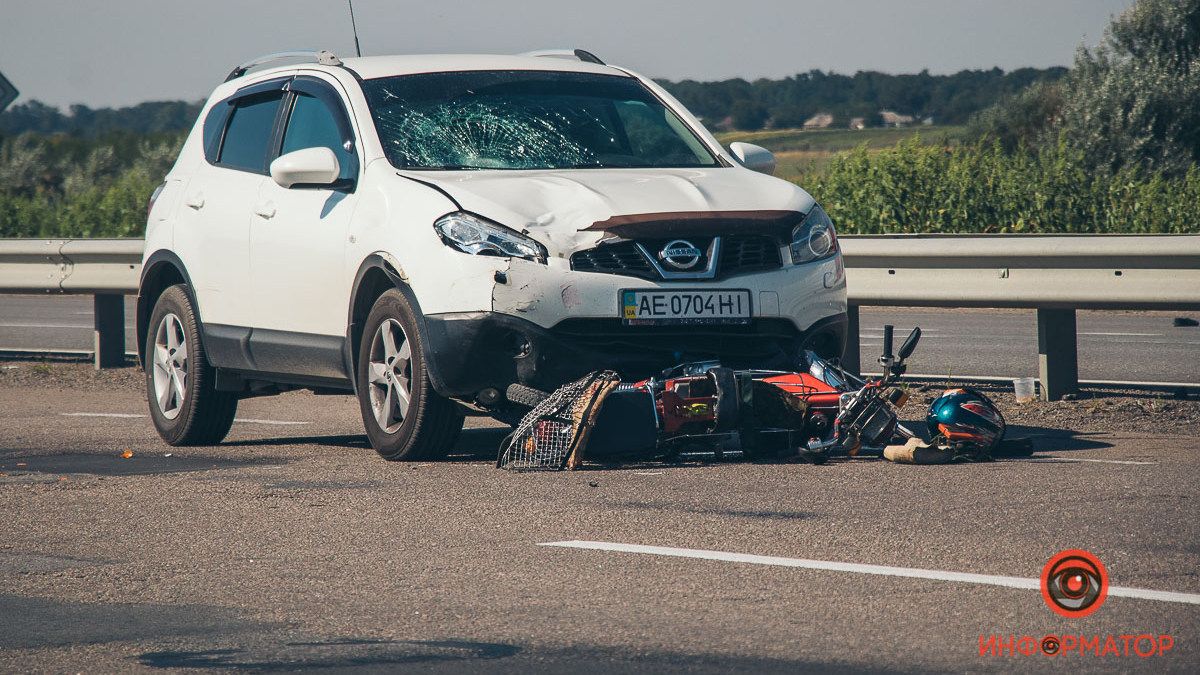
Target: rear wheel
{"points": [[404, 417], [184, 405]]}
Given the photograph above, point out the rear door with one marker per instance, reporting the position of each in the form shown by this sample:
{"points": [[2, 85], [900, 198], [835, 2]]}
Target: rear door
{"points": [[213, 234]]}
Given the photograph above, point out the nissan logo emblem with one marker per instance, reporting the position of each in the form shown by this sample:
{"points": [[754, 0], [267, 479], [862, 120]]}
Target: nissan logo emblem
{"points": [[680, 254]]}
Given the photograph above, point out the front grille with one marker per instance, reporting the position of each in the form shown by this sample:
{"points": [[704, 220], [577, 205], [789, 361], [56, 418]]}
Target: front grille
{"points": [[740, 254], [748, 253], [620, 258]]}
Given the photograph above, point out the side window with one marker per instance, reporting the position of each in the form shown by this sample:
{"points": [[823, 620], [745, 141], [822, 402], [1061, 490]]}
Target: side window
{"points": [[312, 125], [249, 132], [214, 124]]}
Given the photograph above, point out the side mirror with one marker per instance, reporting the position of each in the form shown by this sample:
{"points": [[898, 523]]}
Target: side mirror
{"points": [[754, 157], [910, 343], [310, 166]]}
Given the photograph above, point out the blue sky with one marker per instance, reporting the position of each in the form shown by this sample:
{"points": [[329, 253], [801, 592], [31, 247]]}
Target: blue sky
{"points": [[119, 52]]}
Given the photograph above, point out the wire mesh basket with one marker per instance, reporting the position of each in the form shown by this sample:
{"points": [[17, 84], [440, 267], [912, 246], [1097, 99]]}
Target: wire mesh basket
{"points": [[554, 432]]}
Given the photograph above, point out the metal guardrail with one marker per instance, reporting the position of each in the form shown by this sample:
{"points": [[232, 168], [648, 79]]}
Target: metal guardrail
{"points": [[1031, 271], [79, 266], [106, 269], [1052, 274]]}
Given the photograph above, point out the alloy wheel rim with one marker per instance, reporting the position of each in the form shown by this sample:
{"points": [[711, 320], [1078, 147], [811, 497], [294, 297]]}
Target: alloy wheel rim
{"points": [[389, 376], [170, 366]]}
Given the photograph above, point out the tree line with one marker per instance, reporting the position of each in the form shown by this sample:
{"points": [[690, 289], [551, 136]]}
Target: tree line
{"points": [[789, 102], [737, 103]]}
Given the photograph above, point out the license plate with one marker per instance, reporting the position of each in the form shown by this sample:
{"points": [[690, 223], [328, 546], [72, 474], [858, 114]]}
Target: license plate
{"points": [[655, 307]]}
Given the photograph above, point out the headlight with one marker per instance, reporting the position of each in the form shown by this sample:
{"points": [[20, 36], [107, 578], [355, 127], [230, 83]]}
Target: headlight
{"points": [[470, 233], [814, 238]]}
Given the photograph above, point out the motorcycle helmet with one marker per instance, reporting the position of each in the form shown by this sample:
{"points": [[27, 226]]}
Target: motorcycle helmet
{"points": [[967, 419]]}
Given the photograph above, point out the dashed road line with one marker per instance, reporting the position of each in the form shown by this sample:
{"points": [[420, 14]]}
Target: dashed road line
{"points": [[1063, 460], [1024, 583], [249, 420], [243, 420], [43, 325]]}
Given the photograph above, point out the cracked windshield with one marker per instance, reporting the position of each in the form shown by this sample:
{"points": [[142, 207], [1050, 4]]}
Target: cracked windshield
{"points": [[528, 120]]}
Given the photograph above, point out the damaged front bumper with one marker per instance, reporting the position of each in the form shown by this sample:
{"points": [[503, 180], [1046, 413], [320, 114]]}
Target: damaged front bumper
{"points": [[475, 351]]}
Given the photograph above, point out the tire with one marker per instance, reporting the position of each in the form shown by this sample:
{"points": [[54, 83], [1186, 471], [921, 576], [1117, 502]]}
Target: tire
{"points": [[184, 405], [525, 396], [388, 373]]}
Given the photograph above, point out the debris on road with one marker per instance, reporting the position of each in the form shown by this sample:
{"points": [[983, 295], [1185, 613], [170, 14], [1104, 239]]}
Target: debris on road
{"points": [[553, 433], [805, 416], [127, 454], [917, 451]]}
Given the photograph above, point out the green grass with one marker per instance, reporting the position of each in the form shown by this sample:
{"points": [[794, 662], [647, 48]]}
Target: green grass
{"points": [[838, 140], [802, 154]]}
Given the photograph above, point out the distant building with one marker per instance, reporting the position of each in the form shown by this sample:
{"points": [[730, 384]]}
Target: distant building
{"points": [[858, 123], [928, 121], [894, 119], [819, 121]]}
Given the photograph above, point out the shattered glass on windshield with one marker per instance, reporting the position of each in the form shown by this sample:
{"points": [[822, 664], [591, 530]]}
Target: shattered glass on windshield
{"points": [[527, 120]]}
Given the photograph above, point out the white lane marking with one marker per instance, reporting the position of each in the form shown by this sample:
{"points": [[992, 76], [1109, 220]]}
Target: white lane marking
{"points": [[1125, 334], [648, 473], [859, 568], [44, 325], [244, 420], [1058, 460]]}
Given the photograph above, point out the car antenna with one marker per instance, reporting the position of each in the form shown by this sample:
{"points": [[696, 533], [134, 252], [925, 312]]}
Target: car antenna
{"points": [[354, 28]]}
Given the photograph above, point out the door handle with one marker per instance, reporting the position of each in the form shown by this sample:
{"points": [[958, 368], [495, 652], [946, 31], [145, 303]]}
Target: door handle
{"points": [[265, 210], [196, 201]]}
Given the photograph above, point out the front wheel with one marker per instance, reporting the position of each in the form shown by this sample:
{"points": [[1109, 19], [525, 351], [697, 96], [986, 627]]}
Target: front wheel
{"points": [[404, 417]]}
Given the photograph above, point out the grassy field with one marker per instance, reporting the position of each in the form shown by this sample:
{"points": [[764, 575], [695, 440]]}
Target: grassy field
{"points": [[800, 152], [834, 140]]}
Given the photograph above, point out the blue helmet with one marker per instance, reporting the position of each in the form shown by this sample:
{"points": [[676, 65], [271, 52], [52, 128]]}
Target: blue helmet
{"points": [[966, 418]]}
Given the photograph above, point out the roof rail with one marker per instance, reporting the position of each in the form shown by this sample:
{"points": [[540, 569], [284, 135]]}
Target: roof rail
{"points": [[321, 56], [577, 54]]}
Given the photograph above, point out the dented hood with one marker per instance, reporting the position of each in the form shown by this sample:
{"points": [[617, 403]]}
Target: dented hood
{"points": [[572, 210]]}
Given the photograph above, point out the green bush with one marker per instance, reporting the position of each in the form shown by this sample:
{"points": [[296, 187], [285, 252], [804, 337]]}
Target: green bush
{"points": [[982, 188], [58, 186], [94, 191]]}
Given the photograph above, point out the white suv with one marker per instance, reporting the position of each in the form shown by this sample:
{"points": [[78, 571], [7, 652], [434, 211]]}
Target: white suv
{"points": [[440, 234]]}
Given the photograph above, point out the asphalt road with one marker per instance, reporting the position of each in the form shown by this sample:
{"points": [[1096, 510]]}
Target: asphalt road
{"points": [[292, 546], [1125, 346]]}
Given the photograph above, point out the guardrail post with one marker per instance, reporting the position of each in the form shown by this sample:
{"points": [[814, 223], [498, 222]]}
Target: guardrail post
{"points": [[108, 319], [851, 356], [1058, 353]]}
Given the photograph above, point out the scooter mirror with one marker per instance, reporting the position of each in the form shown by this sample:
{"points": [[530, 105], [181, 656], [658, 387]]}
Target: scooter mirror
{"points": [[910, 343]]}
